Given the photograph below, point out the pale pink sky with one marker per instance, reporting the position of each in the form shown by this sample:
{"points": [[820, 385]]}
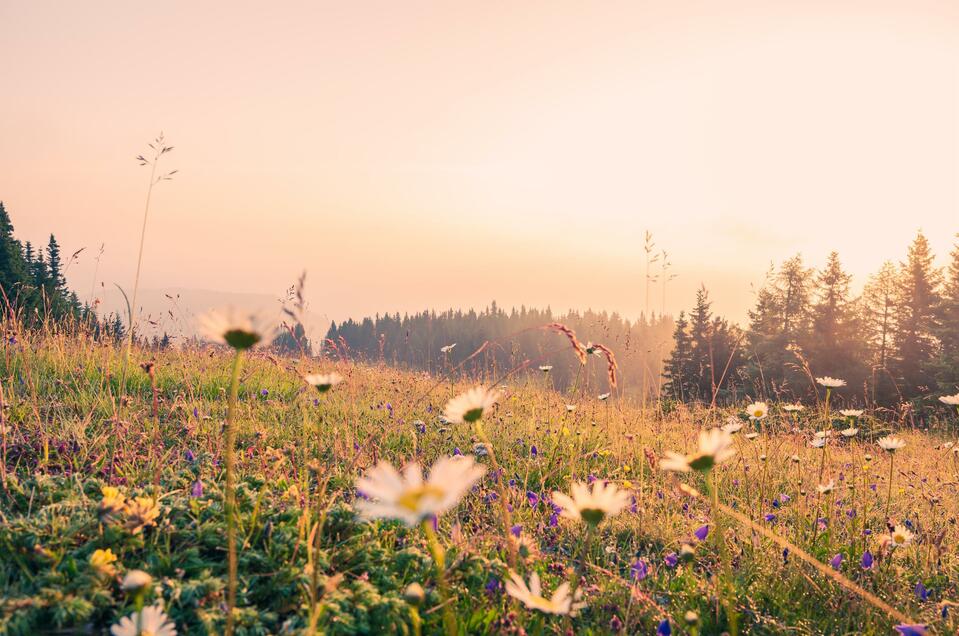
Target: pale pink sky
{"points": [[448, 153]]}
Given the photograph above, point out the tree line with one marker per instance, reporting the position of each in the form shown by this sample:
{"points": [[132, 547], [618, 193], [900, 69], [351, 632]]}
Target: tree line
{"points": [[32, 278], [895, 342], [442, 342], [33, 287]]}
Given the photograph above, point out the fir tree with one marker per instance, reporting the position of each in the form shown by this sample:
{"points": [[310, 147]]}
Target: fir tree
{"points": [[12, 265], [679, 362], [917, 308]]}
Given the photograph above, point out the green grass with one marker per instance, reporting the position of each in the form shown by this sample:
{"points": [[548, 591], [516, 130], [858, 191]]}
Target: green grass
{"points": [[62, 394]]}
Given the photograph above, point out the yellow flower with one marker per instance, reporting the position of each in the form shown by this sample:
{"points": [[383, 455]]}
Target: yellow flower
{"points": [[110, 492], [141, 513], [103, 561], [112, 503]]}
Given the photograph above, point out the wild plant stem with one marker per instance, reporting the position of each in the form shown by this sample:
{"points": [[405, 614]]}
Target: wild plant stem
{"points": [[889, 491], [504, 504], [439, 563], [725, 579], [230, 504], [136, 281]]}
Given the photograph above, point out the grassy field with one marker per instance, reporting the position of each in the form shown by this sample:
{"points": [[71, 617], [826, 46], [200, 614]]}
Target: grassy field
{"points": [[770, 549]]}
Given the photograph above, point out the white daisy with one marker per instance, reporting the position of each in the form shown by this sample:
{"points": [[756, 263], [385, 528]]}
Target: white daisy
{"points": [[818, 442], [545, 368], [240, 330], [851, 412], [323, 382], [849, 432], [715, 446], [757, 410], [951, 400], [470, 406], [603, 396], [447, 348], [570, 408], [135, 580], [890, 443], [605, 500], [793, 408], [560, 603], [407, 497], [831, 383], [826, 488], [900, 537], [732, 425], [152, 621]]}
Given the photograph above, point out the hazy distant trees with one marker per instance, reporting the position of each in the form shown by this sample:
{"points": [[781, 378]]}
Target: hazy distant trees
{"points": [[516, 338], [898, 340]]}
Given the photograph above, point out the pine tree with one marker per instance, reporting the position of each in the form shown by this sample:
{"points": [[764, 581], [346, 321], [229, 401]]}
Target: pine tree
{"points": [[917, 309], [833, 345], [947, 367], [779, 322], [878, 309], [55, 279], [12, 264], [678, 364], [701, 372]]}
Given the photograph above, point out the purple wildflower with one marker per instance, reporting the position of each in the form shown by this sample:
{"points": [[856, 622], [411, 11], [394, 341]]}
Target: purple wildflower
{"points": [[702, 532], [639, 570], [867, 560], [836, 561]]}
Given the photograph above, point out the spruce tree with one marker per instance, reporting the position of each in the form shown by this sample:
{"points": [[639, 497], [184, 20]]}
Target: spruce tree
{"points": [[678, 365], [12, 263], [917, 308], [701, 375], [878, 309], [947, 367], [833, 345]]}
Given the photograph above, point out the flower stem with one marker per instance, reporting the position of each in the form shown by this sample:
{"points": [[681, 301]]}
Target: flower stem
{"points": [[725, 580], [504, 504], [889, 492], [230, 503], [439, 562]]}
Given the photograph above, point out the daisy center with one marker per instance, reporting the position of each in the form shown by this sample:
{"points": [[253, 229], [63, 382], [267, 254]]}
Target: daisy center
{"points": [[412, 498]]}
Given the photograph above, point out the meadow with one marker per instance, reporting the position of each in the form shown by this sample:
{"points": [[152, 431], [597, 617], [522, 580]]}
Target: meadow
{"points": [[118, 482]]}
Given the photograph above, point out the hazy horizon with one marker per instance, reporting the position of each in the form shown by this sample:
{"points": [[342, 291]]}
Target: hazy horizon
{"points": [[445, 156]]}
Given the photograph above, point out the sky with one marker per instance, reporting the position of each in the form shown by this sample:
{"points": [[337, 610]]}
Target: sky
{"points": [[445, 154]]}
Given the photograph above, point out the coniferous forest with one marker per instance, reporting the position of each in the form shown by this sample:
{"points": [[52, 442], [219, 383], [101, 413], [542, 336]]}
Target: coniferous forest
{"points": [[895, 341]]}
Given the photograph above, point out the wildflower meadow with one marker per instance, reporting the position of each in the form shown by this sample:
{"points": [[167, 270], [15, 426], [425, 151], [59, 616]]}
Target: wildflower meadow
{"points": [[221, 489]]}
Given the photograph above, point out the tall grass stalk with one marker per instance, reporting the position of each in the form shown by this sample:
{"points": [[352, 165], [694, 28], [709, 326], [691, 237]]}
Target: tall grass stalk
{"points": [[159, 149], [724, 581], [439, 562], [501, 489]]}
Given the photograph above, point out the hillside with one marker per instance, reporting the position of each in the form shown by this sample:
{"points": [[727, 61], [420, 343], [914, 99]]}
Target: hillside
{"points": [[796, 553]]}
